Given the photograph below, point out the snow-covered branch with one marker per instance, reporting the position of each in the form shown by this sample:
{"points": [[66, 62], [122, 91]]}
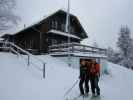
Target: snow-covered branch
{"points": [[7, 17]]}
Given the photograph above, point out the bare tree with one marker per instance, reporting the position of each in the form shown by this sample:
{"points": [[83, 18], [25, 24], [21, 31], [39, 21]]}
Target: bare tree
{"points": [[7, 17]]}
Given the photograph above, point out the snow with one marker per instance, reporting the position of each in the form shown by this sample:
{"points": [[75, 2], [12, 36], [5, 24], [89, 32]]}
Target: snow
{"points": [[119, 85], [21, 82], [63, 34], [96, 55], [1, 39]]}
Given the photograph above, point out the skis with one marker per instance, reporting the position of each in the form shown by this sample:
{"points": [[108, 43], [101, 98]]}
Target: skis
{"points": [[84, 97], [96, 97], [75, 98]]}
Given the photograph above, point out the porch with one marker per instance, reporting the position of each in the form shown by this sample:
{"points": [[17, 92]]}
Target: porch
{"points": [[76, 49]]}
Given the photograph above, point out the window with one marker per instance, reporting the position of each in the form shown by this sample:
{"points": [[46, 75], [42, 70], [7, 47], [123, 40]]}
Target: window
{"points": [[71, 29], [62, 27], [56, 25], [54, 41], [63, 41], [31, 44], [52, 24]]}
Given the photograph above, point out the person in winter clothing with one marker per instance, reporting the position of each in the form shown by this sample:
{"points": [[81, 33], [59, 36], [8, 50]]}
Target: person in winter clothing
{"points": [[88, 65], [82, 76], [94, 77]]}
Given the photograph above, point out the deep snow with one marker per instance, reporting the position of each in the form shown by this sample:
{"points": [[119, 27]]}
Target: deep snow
{"points": [[21, 82]]}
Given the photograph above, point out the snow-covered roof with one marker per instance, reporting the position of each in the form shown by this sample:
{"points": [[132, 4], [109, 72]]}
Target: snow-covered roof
{"points": [[63, 34], [44, 18], [35, 23], [39, 21]]}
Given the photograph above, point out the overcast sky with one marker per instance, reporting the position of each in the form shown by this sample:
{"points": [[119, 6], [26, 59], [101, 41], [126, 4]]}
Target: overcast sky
{"points": [[101, 19]]}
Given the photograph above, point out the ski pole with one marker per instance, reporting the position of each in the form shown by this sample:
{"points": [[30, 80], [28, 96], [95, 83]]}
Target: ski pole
{"points": [[71, 88]]}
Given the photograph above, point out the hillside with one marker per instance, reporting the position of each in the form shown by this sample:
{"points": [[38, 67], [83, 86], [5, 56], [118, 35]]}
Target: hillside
{"points": [[21, 82]]}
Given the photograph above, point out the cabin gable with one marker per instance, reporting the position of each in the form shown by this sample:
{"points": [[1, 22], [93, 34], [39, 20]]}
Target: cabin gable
{"points": [[58, 22]]}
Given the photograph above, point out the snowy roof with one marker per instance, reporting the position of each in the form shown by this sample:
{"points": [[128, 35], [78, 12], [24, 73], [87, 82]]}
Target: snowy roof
{"points": [[63, 34], [44, 18], [35, 23]]}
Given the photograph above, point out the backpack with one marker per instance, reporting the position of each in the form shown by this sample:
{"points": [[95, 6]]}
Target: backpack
{"points": [[94, 70]]}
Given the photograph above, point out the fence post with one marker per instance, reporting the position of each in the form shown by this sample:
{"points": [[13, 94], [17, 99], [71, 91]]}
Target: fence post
{"points": [[72, 48], [9, 48], [44, 70], [83, 48], [28, 60]]}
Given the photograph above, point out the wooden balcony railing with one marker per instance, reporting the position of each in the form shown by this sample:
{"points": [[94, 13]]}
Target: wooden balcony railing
{"points": [[74, 48]]}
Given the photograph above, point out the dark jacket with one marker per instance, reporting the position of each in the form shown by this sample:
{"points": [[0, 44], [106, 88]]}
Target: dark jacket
{"points": [[88, 70], [83, 71]]}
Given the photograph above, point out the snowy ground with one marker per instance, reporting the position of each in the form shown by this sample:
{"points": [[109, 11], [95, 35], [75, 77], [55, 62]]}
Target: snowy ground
{"points": [[21, 82]]}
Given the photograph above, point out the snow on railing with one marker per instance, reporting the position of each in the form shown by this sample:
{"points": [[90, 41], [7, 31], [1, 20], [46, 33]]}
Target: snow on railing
{"points": [[31, 59], [75, 47]]}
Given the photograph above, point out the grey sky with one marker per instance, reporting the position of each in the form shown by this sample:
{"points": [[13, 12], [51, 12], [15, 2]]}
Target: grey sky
{"points": [[101, 19]]}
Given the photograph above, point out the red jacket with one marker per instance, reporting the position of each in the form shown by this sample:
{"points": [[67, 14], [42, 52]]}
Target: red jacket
{"points": [[95, 70]]}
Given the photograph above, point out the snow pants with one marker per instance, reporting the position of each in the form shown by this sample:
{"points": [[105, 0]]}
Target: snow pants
{"points": [[94, 84], [84, 81]]}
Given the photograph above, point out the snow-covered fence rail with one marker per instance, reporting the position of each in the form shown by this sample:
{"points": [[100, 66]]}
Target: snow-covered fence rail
{"points": [[4, 46], [39, 64], [75, 47]]}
